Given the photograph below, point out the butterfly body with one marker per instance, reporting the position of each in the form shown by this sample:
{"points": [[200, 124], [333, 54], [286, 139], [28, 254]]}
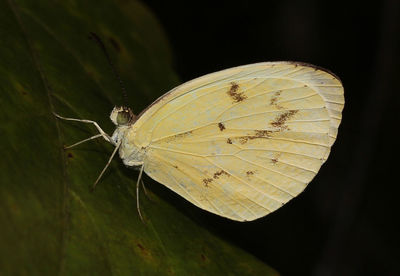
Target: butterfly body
{"points": [[239, 143], [131, 155]]}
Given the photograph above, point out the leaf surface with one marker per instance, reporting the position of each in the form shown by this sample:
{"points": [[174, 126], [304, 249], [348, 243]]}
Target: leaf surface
{"points": [[51, 224]]}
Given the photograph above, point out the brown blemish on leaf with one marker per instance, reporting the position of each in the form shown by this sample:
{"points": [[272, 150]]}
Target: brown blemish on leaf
{"points": [[170, 271], [219, 173], [204, 259], [280, 120], [229, 141], [146, 253], [221, 126], [234, 94], [115, 44], [206, 181], [140, 246]]}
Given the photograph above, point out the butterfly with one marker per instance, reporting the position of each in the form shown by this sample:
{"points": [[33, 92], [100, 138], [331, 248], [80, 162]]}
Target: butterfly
{"points": [[239, 143]]}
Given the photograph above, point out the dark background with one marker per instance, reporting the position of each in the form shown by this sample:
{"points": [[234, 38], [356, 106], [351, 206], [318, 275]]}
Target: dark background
{"points": [[345, 221]]}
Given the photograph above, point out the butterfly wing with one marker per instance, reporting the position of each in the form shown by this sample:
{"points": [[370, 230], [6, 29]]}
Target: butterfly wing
{"points": [[242, 142]]}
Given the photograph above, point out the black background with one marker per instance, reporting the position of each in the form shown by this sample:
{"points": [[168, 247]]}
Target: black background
{"points": [[345, 221]]}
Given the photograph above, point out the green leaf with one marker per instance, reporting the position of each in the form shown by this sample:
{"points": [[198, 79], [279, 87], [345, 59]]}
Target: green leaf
{"points": [[51, 224]]}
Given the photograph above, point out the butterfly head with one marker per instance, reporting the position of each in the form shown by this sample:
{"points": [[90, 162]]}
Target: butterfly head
{"points": [[122, 116]]}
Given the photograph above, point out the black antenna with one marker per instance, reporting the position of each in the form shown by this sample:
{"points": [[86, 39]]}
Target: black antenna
{"points": [[98, 40]]}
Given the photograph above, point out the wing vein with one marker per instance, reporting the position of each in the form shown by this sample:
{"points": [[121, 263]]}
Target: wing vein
{"points": [[296, 166], [205, 196], [184, 189], [295, 71], [247, 149], [286, 139], [205, 94], [215, 138], [288, 176], [294, 153], [325, 85], [256, 95], [227, 120], [248, 185], [177, 151], [231, 106]]}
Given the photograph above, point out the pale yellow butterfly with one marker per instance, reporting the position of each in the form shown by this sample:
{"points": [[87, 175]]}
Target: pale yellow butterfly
{"points": [[239, 143]]}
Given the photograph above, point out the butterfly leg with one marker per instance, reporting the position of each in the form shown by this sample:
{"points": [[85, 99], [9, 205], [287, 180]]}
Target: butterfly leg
{"points": [[137, 192], [85, 140], [108, 163], [102, 133]]}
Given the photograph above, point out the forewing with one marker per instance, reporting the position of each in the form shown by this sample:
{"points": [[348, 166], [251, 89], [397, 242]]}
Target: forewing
{"points": [[242, 142]]}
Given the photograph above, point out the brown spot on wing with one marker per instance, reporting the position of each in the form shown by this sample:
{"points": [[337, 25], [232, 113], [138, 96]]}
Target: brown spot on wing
{"points": [[281, 119], [249, 173], [175, 166], [229, 141], [234, 87], [221, 126], [234, 94], [243, 139], [206, 181], [276, 158], [275, 97], [263, 134], [219, 173]]}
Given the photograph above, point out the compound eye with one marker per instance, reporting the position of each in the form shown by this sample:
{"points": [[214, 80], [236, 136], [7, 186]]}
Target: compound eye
{"points": [[123, 117]]}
